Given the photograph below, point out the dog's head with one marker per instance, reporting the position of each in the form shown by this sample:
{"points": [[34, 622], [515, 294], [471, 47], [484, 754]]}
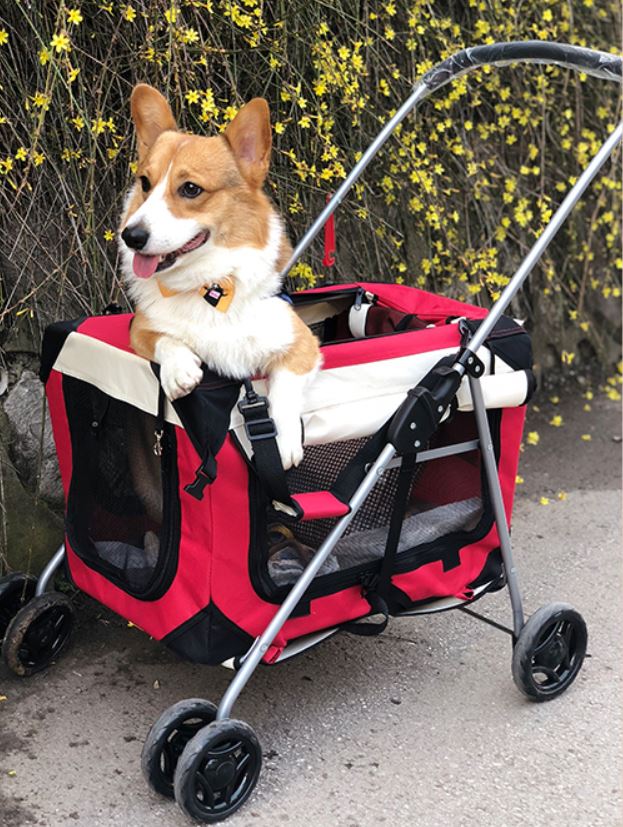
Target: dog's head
{"points": [[197, 210]]}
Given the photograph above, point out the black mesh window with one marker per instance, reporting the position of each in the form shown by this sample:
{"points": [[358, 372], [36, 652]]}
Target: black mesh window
{"points": [[445, 502], [123, 507]]}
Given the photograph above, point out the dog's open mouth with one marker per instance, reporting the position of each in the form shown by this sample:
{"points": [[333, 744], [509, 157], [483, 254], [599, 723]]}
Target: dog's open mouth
{"points": [[146, 266]]}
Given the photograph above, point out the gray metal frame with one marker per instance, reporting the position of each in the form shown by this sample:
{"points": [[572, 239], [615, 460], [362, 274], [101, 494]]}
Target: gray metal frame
{"points": [[597, 63], [47, 575]]}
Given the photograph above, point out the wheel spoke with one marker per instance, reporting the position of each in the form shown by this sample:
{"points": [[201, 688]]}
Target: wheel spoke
{"points": [[569, 636], [539, 669], [206, 788], [168, 760], [243, 761], [547, 642], [222, 751]]}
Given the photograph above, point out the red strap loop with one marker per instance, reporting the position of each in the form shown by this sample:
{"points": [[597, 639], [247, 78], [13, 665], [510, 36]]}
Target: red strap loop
{"points": [[329, 239]]}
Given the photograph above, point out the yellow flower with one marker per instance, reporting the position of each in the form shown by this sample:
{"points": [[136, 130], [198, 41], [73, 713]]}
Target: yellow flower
{"points": [[4, 37], [544, 501], [41, 100], [21, 154], [556, 421], [109, 235], [44, 56], [129, 13], [74, 16], [38, 158], [533, 438], [7, 165], [279, 128], [562, 495], [519, 479], [171, 15], [73, 74], [190, 36], [586, 437], [192, 96], [78, 122], [60, 43]]}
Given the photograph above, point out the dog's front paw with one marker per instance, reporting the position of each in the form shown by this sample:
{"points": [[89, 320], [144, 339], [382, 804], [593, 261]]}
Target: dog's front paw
{"points": [[180, 373], [290, 444]]}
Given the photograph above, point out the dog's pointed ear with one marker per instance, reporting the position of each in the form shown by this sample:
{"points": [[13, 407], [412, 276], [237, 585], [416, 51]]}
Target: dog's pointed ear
{"points": [[151, 115], [250, 139]]}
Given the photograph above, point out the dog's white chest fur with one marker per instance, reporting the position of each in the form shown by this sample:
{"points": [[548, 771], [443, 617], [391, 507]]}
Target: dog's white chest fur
{"points": [[236, 343]]}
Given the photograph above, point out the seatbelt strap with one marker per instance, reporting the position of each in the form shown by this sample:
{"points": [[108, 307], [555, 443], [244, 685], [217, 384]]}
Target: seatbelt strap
{"points": [[383, 584], [261, 433]]}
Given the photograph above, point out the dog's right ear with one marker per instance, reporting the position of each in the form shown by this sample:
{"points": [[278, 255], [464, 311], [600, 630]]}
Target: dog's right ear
{"points": [[151, 115]]}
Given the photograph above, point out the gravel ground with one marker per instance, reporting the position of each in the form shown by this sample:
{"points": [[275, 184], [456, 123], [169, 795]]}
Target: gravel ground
{"points": [[420, 726]]}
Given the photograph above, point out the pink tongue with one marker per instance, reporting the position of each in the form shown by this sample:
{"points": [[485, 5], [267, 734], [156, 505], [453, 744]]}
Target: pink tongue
{"points": [[144, 266]]}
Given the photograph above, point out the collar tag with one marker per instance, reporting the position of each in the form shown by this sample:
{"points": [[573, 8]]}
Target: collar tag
{"points": [[218, 295], [214, 294]]}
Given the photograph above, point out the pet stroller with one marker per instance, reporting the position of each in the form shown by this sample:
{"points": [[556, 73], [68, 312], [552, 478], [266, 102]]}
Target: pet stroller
{"points": [[180, 518]]}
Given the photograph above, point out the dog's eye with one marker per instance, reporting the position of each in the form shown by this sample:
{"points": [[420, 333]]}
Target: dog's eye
{"points": [[190, 190], [145, 185]]}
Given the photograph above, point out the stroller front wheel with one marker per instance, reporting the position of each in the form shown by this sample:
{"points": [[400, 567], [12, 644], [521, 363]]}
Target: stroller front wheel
{"points": [[549, 652], [218, 770], [167, 738]]}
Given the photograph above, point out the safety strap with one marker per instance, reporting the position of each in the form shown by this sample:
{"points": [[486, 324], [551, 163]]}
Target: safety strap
{"points": [[261, 433], [365, 628], [382, 586]]}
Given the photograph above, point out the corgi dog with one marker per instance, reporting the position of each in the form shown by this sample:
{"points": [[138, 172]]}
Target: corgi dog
{"points": [[201, 249]]}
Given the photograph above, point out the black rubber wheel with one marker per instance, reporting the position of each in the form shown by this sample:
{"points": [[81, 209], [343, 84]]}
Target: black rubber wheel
{"points": [[549, 652], [167, 738], [38, 633], [217, 771], [16, 590]]}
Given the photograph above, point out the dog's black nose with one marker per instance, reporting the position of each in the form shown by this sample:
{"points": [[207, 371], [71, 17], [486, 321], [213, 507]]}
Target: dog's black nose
{"points": [[135, 237]]}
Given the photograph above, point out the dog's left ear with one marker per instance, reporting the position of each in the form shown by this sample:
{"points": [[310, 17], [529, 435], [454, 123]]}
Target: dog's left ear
{"points": [[250, 139], [151, 115]]}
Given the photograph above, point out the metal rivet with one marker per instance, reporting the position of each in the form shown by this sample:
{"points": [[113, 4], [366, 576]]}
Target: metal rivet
{"points": [[413, 426], [94, 424], [440, 409], [470, 360], [416, 444]]}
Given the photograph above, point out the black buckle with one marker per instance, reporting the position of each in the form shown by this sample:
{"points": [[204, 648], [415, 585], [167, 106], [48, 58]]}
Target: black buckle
{"points": [[263, 422], [204, 475]]}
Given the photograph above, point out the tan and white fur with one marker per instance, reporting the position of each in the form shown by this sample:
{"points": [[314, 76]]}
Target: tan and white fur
{"points": [[198, 214]]}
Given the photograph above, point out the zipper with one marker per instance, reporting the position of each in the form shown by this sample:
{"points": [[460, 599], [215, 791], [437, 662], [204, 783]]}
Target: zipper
{"points": [[168, 553]]}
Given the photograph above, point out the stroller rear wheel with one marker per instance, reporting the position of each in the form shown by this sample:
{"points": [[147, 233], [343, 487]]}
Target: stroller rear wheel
{"points": [[38, 633], [218, 770], [549, 651], [167, 738], [16, 590]]}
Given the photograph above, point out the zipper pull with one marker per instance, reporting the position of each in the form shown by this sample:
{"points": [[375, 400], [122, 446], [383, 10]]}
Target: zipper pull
{"points": [[359, 298], [157, 449]]}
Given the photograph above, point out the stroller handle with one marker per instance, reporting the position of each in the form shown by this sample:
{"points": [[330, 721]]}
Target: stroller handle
{"points": [[599, 64]]}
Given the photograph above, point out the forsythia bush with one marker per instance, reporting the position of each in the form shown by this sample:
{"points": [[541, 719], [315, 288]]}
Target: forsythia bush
{"points": [[452, 203]]}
